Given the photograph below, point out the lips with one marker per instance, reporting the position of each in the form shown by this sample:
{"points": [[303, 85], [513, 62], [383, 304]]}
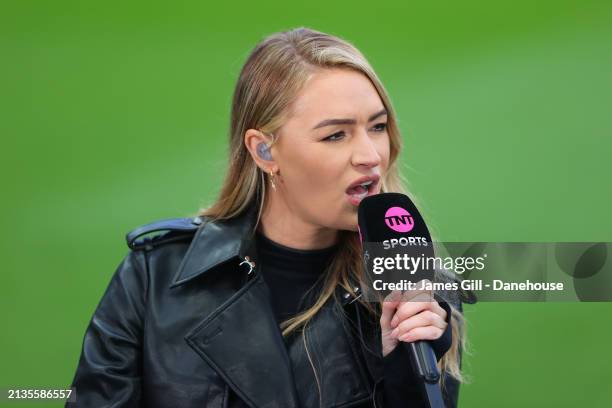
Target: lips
{"points": [[371, 180], [361, 188]]}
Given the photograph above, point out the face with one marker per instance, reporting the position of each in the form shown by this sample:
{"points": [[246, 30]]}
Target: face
{"points": [[333, 144]]}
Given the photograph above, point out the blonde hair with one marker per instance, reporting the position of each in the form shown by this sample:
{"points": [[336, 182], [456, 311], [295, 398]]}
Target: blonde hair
{"points": [[270, 80]]}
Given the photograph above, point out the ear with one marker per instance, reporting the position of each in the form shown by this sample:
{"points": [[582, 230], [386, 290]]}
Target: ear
{"points": [[252, 139]]}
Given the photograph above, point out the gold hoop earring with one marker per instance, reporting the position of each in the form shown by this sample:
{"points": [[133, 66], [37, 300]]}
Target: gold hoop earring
{"points": [[272, 179]]}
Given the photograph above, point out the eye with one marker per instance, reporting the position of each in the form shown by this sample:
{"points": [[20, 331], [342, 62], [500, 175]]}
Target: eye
{"points": [[335, 137], [380, 127]]}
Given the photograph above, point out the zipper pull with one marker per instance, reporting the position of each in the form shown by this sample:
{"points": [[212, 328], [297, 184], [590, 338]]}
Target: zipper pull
{"points": [[250, 263]]}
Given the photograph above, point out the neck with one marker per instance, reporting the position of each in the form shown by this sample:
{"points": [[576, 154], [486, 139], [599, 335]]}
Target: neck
{"points": [[280, 225]]}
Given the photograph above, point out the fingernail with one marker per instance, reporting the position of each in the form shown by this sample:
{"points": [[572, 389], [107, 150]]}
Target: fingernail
{"points": [[394, 332], [393, 322], [404, 337]]}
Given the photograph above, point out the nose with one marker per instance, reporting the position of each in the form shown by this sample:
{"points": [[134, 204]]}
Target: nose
{"points": [[364, 151]]}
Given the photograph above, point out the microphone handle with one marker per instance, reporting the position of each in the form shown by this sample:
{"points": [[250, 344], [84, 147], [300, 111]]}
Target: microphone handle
{"points": [[424, 361], [424, 365]]}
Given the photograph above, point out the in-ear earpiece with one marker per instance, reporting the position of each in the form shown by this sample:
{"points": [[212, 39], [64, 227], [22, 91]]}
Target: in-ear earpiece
{"points": [[264, 151]]}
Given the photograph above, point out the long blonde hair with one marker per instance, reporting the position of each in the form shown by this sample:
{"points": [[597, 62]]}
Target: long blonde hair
{"points": [[270, 80]]}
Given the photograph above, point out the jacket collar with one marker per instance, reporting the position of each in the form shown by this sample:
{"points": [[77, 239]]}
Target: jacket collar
{"points": [[217, 242]]}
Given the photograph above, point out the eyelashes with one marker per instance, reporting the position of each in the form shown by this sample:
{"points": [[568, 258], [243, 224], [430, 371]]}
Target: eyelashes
{"points": [[379, 127], [334, 137]]}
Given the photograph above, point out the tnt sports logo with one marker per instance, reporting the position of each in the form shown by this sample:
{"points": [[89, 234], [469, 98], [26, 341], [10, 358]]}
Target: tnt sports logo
{"points": [[399, 220]]}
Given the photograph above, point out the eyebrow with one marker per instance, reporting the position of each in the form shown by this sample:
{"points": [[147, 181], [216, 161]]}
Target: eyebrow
{"points": [[328, 122]]}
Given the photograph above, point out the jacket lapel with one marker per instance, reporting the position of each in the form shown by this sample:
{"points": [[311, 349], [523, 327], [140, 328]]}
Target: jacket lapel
{"points": [[243, 343], [239, 339], [215, 243]]}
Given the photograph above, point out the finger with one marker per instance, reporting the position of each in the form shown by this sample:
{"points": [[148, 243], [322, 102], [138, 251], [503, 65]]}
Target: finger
{"points": [[393, 296], [420, 288], [422, 333], [420, 291], [407, 310], [404, 312], [415, 294], [423, 319], [389, 305], [439, 310], [422, 284]]}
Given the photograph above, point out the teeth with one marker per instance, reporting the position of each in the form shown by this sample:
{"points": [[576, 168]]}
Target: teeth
{"points": [[362, 195], [365, 186]]}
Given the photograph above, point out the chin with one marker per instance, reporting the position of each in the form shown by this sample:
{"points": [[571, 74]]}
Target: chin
{"points": [[349, 223], [348, 227]]}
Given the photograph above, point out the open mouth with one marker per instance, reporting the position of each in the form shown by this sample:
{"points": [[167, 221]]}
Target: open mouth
{"points": [[360, 191], [362, 188]]}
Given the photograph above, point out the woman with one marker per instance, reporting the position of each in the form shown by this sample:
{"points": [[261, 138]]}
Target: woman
{"points": [[256, 302]]}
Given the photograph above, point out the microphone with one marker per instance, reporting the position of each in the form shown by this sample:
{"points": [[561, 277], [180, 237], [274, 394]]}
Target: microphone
{"points": [[387, 221]]}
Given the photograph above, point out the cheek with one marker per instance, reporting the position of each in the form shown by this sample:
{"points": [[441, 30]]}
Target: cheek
{"points": [[314, 178], [311, 166], [384, 151]]}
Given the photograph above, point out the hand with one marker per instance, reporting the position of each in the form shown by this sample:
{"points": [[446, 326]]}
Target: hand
{"points": [[410, 316]]}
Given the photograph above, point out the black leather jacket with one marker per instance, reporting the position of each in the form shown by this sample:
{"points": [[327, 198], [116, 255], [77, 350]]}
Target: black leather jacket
{"points": [[186, 322]]}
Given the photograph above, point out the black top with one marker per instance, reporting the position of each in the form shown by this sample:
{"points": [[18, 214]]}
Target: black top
{"points": [[290, 273]]}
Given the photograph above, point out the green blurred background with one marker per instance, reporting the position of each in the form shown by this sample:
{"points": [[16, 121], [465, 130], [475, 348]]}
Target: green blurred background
{"points": [[115, 114]]}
